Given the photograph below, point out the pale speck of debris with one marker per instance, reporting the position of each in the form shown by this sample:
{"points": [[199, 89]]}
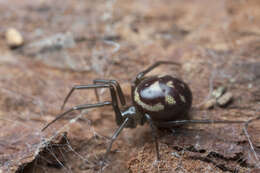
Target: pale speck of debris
{"points": [[225, 99], [218, 92], [14, 38], [209, 104]]}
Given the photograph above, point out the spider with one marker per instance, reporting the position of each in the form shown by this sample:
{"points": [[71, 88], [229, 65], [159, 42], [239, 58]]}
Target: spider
{"points": [[162, 101]]}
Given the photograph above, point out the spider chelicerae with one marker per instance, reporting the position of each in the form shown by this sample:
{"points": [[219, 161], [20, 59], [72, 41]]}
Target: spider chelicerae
{"points": [[162, 101]]}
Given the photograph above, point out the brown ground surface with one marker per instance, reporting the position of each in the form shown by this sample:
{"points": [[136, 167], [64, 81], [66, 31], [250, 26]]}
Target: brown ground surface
{"points": [[217, 43]]}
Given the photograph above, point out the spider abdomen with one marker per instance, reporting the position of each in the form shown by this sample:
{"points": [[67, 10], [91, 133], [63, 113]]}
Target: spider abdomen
{"points": [[164, 98]]}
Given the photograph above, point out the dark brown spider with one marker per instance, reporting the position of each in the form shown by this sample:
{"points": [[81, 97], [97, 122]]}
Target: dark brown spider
{"points": [[162, 101]]}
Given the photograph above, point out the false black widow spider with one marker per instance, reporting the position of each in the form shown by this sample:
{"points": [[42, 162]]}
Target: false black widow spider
{"points": [[162, 101]]}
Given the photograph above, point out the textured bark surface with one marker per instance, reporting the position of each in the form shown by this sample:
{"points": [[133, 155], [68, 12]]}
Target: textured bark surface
{"points": [[217, 44]]}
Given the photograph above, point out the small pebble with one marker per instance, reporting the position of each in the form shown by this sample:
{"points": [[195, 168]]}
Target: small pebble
{"points": [[14, 38], [209, 104], [225, 99], [218, 92]]}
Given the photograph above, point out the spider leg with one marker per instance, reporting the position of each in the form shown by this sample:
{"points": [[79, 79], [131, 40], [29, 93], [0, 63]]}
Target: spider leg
{"points": [[117, 86], [117, 111], [208, 121], [168, 124], [140, 75], [151, 123], [79, 107], [80, 87], [114, 136], [143, 73], [249, 138]]}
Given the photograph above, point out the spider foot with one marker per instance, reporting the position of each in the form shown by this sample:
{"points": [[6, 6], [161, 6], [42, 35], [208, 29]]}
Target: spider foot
{"points": [[102, 164]]}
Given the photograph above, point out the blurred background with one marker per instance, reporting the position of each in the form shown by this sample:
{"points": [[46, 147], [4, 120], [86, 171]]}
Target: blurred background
{"points": [[46, 47]]}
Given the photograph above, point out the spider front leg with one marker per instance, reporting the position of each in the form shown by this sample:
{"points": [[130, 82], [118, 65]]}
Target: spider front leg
{"points": [[79, 107], [113, 83], [89, 86], [114, 103]]}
